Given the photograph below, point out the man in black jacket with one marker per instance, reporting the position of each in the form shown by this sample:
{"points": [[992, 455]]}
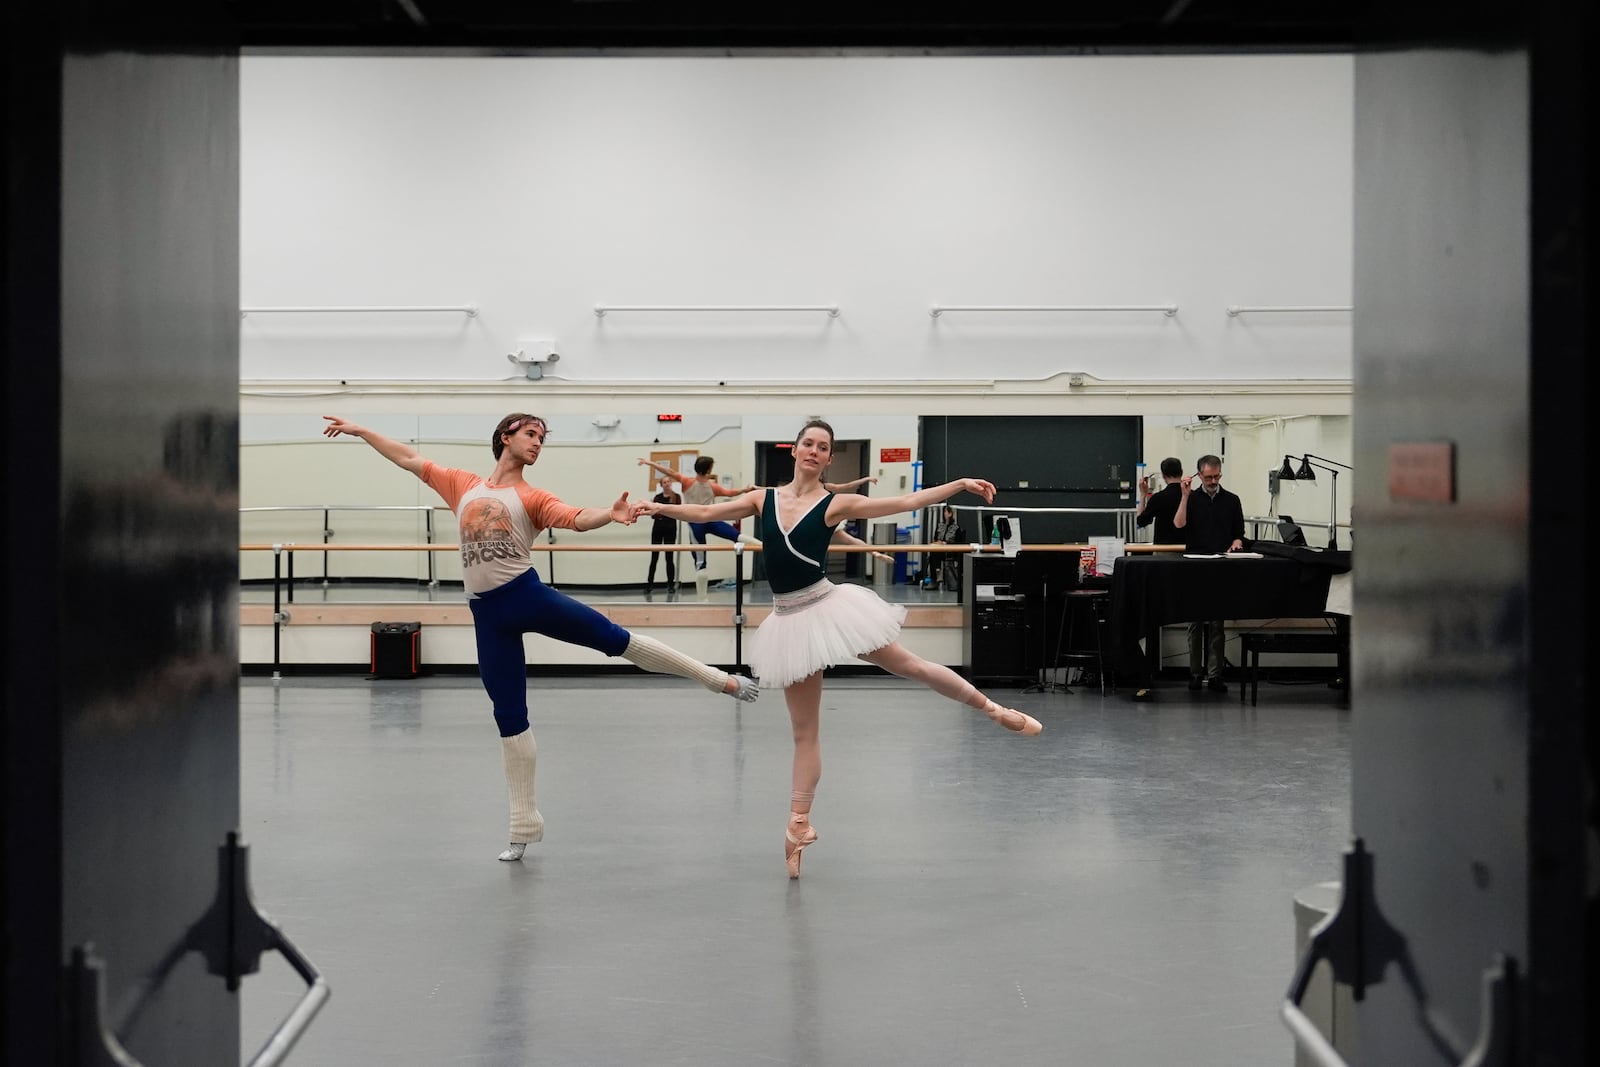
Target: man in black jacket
{"points": [[1211, 520], [1160, 507]]}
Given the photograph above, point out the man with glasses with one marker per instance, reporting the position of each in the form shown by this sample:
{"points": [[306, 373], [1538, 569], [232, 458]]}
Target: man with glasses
{"points": [[1211, 521]]}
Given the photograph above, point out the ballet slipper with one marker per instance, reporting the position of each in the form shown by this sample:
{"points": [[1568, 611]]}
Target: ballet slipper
{"points": [[744, 687], [1012, 720], [794, 844], [533, 831]]}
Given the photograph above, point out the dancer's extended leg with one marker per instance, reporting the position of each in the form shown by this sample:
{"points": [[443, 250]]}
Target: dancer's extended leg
{"points": [[897, 659], [652, 655], [805, 716]]}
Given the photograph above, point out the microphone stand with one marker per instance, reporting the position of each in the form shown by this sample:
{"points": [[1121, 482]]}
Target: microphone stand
{"points": [[1046, 669]]}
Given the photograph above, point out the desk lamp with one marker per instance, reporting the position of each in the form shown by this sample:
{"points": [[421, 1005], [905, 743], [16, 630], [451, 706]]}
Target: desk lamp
{"points": [[1309, 464]]}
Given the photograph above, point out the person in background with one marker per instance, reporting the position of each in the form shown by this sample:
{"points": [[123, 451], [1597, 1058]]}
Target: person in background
{"points": [[703, 489], [1159, 508], [1212, 522], [499, 517], [950, 532], [664, 531], [815, 624]]}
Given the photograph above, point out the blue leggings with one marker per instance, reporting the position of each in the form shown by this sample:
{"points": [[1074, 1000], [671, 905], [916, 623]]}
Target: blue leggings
{"points": [[526, 605], [698, 531]]}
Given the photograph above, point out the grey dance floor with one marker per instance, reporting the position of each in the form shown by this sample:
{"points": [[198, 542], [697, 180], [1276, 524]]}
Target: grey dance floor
{"points": [[1116, 891]]}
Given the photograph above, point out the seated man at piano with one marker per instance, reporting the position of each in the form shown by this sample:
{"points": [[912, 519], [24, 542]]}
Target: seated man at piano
{"points": [[1211, 521]]}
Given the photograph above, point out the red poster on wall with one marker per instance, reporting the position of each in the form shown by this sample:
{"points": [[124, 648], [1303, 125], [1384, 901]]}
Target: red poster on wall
{"points": [[894, 455]]}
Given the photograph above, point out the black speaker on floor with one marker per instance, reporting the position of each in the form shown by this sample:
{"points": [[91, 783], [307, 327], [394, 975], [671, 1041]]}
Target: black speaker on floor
{"points": [[396, 649], [998, 640]]}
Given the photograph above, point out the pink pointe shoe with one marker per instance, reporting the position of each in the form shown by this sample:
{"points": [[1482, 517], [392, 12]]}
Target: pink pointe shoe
{"points": [[1013, 720], [799, 834]]}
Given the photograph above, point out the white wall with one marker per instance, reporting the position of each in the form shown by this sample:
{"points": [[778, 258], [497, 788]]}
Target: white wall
{"points": [[534, 188]]}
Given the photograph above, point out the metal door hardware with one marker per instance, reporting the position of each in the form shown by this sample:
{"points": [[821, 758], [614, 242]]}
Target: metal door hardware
{"points": [[231, 936], [1344, 939]]}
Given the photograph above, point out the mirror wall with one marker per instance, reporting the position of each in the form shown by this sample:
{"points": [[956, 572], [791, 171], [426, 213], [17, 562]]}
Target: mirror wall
{"points": [[297, 487]]}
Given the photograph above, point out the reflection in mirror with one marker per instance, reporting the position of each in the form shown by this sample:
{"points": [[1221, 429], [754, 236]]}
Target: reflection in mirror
{"points": [[297, 487]]}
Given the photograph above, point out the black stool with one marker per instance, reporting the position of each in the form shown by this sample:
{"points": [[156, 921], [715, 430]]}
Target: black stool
{"points": [[1081, 607]]}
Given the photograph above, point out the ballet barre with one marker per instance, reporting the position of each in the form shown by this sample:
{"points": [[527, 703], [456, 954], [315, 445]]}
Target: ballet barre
{"points": [[1235, 310], [427, 511], [1168, 310], [600, 310], [470, 310]]}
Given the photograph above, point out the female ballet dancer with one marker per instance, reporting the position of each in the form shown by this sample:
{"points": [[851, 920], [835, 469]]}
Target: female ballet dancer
{"points": [[500, 517], [815, 624]]}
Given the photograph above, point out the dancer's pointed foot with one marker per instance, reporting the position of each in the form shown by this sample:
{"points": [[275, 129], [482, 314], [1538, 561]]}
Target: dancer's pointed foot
{"points": [[513, 852], [741, 687], [799, 834], [1013, 720]]}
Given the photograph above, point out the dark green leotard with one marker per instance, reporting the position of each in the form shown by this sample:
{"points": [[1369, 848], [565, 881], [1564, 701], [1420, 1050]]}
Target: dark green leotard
{"points": [[800, 559]]}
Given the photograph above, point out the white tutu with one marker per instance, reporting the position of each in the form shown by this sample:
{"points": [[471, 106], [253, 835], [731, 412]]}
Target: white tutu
{"points": [[822, 625]]}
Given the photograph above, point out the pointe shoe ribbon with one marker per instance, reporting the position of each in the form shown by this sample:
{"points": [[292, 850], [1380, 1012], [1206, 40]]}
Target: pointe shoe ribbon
{"points": [[1013, 720], [795, 845]]}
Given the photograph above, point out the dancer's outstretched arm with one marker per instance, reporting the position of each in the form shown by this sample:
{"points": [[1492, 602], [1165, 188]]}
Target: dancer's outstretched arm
{"points": [[593, 518], [663, 469], [678, 476], [397, 452], [844, 538], [854, 506], [740, 507]]}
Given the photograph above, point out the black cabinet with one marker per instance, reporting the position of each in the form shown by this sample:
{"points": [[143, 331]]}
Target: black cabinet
{"points": [[996, 640], [1011, 612]]}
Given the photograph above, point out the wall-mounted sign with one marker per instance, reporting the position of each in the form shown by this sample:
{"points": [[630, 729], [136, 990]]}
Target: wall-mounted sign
{"points": [[669, 418], [1423, 470], [894, 455]]}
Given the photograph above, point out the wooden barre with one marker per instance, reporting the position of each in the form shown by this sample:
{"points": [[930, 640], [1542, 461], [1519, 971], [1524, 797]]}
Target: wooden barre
{"points": [[931, 549]]}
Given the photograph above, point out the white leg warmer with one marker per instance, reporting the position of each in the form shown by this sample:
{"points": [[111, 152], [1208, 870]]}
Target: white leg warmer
{"points": [[521, 755], [652, 655]]}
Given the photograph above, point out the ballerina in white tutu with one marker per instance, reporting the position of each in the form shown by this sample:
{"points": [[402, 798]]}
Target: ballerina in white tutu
{"points": [[815, 624]]}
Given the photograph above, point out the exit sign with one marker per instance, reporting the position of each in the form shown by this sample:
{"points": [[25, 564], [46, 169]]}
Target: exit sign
{"points": [[894, 455], [669, 418]]}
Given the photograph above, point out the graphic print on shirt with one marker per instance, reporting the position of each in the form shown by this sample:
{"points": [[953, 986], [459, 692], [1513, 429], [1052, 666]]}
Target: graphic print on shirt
{"points": [[486, 532]]}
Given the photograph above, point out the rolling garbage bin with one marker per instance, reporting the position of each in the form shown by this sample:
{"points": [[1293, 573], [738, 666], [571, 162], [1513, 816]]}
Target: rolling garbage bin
{"points": [[1328, 1004], [902, 560], [883, 533]]}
